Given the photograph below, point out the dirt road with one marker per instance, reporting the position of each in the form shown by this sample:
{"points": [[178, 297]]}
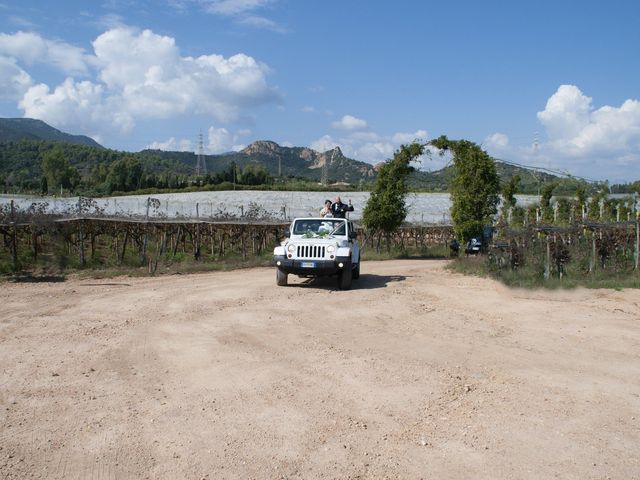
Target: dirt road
{"points": [[415, 373]]}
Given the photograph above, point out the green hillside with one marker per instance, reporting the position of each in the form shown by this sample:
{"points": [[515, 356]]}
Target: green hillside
{"points": [[21, 168], [94, 170], [15, 129], [288, 162]]}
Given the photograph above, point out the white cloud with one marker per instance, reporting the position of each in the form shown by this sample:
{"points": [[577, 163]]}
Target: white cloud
{"points": [[172, 145], [14, 81], [611, 129], [368, 146], [373, 151], [349, 122], [404, 138], [241, 11], [583, 140], [261, 22], [323, 144], [566, 113], [217, 140], [128, 59], [234, 7], [587, 138], [496, 141], [31, 48], [221, 140], [20, 22], [308, 109], [75, 105], [141, 75]]}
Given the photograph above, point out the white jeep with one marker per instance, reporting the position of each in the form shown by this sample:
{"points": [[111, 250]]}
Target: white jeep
{"points": [[319, 247]]}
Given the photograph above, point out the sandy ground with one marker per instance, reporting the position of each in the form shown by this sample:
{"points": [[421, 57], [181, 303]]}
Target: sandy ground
{"points": [[415, 373]]}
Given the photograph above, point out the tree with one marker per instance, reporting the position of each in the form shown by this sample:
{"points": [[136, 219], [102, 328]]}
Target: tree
{"points": [[386, 208], [44, 186], [58, 170], [474, 188], [581, 199], [125, 175], [98, 174], [545, 201], [253, 174], [509, 191]]}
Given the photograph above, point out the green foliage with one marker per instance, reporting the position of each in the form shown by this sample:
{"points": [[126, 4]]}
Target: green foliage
{"points": [[509, 190], [532, 276], [124, 175], [386, 208], [474, 188], [581, 198], [593, 211], [21, 170], [255, 174], [58, 171], [16, 129], [409, 251], [565, 208], [633, 187], [518, 215], [545, 202], [565, 257]]}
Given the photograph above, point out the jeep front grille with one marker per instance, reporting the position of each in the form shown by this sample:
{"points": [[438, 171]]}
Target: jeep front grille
{"points": [[310, 251]]}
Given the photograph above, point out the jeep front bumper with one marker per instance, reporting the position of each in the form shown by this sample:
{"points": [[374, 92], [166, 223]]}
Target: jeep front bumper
{"points": [[312, 267]]}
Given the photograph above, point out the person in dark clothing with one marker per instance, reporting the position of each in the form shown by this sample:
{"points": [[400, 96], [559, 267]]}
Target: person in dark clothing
{"points": [[339, 209], [454, 248]]}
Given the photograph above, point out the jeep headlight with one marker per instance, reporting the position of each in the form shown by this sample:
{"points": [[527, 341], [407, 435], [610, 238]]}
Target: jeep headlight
{"points": [[331, 249], [291, 248]]}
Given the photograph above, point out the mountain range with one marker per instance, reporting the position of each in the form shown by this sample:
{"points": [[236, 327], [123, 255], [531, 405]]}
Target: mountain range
{"points": [[280, 161], [23, 141], [14, 129]]}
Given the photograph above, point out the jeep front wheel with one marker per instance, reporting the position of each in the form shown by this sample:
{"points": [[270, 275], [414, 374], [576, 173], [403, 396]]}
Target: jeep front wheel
{"points": [[281, 278], [344, 279], [356, 271]]}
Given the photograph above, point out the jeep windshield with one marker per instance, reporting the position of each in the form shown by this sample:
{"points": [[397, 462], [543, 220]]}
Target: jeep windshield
{"points": [[319, 227]]}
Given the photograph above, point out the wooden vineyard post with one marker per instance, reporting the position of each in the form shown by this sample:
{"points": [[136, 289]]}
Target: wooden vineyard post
{"points": [[547, 263], [143, 254], [243, 244], [81, 232], [637, 241], [196, 241], [178, 237], [124, 246], [81, 237], [592, 259], [14, 238], [34, 239], [212, 240]]}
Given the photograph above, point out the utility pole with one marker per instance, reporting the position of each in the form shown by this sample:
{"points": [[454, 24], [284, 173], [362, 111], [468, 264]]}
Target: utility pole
{"points": [[536, 146], [201, 162]]}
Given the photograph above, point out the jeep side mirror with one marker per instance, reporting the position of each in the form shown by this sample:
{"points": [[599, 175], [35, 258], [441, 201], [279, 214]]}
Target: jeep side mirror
{"points": [[353, 234]]}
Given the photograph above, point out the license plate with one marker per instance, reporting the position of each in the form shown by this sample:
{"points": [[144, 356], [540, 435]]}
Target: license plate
{"points": [[308, 264]]}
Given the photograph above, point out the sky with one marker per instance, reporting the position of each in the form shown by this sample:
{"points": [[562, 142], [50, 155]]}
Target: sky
{"points": [[550, 84]]}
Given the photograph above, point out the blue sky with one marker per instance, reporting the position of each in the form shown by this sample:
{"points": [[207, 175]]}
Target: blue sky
{"points": [[549, 84]]}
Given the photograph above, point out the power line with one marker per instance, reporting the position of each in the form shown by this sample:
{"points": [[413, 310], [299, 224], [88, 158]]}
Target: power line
{"points": [[552, 171]]}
